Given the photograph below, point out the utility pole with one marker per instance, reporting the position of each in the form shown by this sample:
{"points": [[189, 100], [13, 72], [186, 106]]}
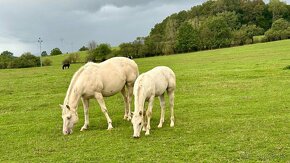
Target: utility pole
{"points": [[40, 42]]}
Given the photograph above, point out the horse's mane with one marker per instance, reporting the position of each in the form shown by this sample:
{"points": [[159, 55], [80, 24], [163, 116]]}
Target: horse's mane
{"points": [[72, 83]]}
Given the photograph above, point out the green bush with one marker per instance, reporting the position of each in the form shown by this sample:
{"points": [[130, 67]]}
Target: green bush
{"points": [[74, 58], [66, 61], [46, 62]]}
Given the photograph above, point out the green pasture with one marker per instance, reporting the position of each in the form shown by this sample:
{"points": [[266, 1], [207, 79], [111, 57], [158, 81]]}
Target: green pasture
{"points": [[231, 105]]}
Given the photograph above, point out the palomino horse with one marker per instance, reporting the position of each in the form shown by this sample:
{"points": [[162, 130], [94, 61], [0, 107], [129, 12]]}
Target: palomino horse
{"points": [[148, 85], [97, 81]]}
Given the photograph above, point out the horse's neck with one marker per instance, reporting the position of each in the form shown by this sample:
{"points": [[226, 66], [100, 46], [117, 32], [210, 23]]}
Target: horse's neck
{"points": [[73, 93], [140, 102], [72, 98]]}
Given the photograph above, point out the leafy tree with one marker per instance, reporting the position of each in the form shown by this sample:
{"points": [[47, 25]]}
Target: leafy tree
{"points": [[44, 53], [7, 53], [216, 30], [26, 60], [100, 53], [245, 35], [252, 30], [5, 61], [187, 39], [280, 30], [278, 9], [83, 48], [55, 51]]}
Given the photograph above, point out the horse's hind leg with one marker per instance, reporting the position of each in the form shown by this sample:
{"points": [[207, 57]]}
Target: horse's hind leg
{"points": [[101, 102], [171, 104], [130, 95], [86, 113], [162, 105], [125, 98]]}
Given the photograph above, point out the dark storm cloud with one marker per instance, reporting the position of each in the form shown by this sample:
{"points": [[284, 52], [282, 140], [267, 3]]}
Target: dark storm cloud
{"points": [[70, 24]]}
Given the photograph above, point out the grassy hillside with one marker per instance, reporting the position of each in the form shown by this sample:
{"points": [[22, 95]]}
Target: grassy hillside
{"points": [[231, 105]]}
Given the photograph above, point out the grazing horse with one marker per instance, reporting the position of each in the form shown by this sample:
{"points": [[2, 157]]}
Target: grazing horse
{"points": [[98, 81], [65, 65], [147, 86]]}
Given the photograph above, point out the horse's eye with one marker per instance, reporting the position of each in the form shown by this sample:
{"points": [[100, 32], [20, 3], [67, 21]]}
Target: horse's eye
{"points": [[68, 118], [140, 124]]}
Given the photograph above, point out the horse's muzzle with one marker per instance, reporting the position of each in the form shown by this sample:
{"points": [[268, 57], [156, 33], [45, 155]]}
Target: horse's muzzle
{"points": [[67, 132]]}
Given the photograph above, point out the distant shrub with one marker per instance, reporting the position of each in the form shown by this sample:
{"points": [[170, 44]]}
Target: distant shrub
{"points": [[91, 57], [74, 58], [55, 51], [44, 53], [66, 61], [46, 62], [260, 39], [287, 67], [83, 48]]}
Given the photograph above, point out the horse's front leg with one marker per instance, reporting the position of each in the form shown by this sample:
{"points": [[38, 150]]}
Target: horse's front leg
{"points": [[149, 114], [101, 102], [86, 113]]}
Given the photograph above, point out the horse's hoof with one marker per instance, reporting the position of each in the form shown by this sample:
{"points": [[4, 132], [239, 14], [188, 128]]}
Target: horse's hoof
{"points": [[172, 124], [147, 133], [160, 125], [85, 127], [110, 128], [125, 117]]}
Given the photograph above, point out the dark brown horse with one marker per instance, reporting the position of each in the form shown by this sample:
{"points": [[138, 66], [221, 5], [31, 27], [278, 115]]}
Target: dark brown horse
{"points": [[66, 65]]}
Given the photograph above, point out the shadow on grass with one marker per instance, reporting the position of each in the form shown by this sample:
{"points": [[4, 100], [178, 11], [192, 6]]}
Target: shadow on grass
{"points": [[287, 67]]}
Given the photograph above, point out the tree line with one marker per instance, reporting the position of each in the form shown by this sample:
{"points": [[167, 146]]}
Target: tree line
{"points": [[214, 24]]}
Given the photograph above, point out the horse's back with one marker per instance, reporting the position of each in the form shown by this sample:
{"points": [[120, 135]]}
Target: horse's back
{"points": [[167, 76], [123, 66], [111, 75]]}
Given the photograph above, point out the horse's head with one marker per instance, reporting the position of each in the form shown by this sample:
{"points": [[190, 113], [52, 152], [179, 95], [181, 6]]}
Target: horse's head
{"points": [[137, 122], [69, 117]]}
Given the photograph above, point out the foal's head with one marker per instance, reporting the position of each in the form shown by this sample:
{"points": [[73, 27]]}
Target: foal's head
{"points": [[137, 122], [69, 118]]}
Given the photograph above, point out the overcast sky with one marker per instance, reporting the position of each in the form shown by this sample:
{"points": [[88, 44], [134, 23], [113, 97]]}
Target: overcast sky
{"points": [[70, 24]]}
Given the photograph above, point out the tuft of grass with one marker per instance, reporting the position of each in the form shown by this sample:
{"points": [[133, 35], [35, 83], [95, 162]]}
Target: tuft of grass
{"points": [[287, 67], [231, 105]]}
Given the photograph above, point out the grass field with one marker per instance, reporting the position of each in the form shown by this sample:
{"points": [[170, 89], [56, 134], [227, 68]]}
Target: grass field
{"points": [[231, 105]]}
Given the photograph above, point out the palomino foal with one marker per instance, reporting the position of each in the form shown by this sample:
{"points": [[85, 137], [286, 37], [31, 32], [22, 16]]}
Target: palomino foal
{"points": [[97, 81], [147, 86]]}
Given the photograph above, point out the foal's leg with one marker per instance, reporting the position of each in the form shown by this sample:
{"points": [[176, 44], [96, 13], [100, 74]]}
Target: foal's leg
{"points": [[125, 98], [162, 105], [130, 95], [101, 102], [171, 103], [149, 114], [86, 113]]}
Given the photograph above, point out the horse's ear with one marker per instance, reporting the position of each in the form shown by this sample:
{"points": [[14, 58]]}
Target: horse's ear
{"points": [[140, 113], [68, 107], [61, 106]]}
